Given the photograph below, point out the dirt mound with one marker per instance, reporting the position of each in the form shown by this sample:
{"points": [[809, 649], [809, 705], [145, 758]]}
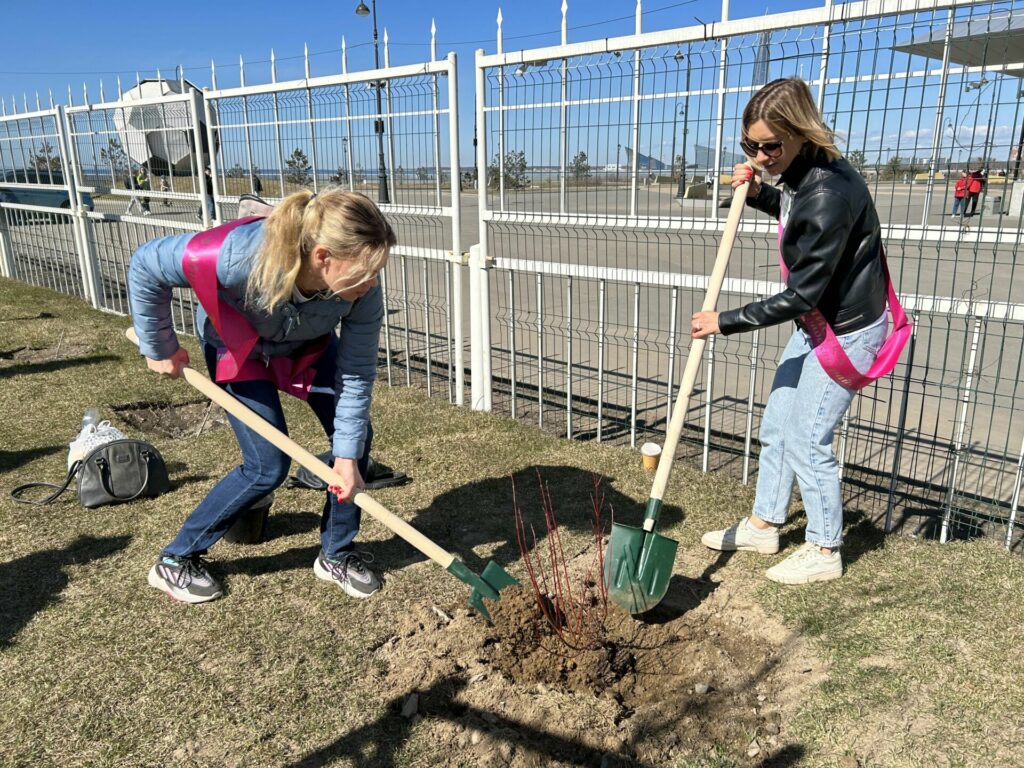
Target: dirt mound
{"points": [[701, 672]]}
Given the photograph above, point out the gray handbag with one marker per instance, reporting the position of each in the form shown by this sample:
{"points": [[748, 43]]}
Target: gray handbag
{"points": [[113, 473]]}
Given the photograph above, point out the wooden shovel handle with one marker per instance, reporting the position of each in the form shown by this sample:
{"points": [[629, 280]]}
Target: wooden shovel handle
{"points": [[693, 361], [280, 440]]}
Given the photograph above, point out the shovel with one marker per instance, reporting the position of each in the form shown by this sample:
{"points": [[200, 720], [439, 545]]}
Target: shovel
{"points": [[488, 585], [639, 561]]}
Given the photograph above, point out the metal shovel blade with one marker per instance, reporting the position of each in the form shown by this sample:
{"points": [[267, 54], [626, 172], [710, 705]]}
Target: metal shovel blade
{"points": [[486, 585], [638, 567]]}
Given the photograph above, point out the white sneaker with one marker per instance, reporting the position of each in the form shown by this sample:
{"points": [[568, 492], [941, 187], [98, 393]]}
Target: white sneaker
{"points": [[743, 537], [807, 564]]}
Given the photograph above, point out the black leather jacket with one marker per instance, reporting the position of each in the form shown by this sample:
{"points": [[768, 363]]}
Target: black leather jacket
{"points": [[831, 245]]}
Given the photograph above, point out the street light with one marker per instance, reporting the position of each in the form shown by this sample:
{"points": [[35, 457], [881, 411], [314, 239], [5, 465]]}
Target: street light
{"points": [[378, 124], [681, 190]]}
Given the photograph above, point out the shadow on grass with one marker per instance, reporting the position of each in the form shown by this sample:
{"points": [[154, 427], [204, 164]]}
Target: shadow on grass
{"points": [[378, 744], [784, 757], [30, 583], [13, 459], [49, 366], [482, 513]]}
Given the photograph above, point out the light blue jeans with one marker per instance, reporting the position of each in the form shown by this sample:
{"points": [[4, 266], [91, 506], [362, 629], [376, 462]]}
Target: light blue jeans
{"points": [[803, 410]]}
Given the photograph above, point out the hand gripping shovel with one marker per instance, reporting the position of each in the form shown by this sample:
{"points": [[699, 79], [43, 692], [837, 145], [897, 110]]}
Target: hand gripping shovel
{"points": [[639, 562], [487, 585]]}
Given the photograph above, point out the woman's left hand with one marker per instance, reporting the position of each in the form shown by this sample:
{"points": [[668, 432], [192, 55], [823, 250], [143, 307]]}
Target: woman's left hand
{"points": [[703, 324], [351, 480]]}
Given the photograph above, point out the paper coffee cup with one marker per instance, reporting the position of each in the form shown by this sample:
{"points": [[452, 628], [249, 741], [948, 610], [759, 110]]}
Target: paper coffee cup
{"points": [[650, 452]]}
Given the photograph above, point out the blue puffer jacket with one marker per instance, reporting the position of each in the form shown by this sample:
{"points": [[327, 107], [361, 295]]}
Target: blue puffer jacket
{"points": [[156, 268]]}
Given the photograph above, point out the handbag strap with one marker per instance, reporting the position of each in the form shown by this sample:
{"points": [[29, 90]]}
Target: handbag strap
{"points": [[16, 493], [146, 456]]}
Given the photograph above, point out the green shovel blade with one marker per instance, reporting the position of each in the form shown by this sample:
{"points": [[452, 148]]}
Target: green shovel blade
{"points": [[638, 567]]}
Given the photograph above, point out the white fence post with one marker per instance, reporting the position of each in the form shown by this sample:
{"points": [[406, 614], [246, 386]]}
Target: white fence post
{"points": [[455, 183], [81, 226]]}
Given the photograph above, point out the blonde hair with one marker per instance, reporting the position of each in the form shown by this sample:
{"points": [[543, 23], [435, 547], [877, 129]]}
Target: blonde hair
{"points": [[347, 224], [787, 106]]}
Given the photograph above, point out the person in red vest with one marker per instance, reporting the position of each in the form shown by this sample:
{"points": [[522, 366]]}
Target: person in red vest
{"points": [[287, 303], [959, 193], [975, 183]]}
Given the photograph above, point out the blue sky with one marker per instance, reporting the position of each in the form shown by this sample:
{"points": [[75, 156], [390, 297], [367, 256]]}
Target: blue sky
{"points": [[75, 43]]}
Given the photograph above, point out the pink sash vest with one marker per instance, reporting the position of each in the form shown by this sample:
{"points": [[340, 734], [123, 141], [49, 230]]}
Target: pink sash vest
{"points": [[293, 375], [830, 352]]}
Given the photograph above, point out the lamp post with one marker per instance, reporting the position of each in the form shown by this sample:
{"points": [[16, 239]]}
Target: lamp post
{"points": [[378, 124], [681, 190]]}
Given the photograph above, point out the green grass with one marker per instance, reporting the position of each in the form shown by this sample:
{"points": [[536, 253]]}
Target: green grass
{"points": [[921, 642]]}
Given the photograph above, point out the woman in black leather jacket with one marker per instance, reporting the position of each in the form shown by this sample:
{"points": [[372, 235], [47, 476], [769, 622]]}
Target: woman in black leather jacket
{"points": [[830, 246]]}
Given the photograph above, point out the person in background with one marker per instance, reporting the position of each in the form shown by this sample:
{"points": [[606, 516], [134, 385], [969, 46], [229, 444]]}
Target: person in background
{"points": [[975, 183], [959, 193]]}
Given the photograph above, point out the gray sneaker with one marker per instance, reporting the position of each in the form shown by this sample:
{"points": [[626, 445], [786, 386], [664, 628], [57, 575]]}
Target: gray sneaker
{"points": [[185, 578], [349, 572], [743, 537], [806, 565]]}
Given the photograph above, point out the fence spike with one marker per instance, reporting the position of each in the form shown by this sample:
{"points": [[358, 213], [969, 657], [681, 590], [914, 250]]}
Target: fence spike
{"points": [[39, 105], [565, 22], [344, 56], [71, 100], [213, 74], [273, 67], [433, 40], [501, 36], [305, 56], [50, 90], [119, 94], [639, 16], [85, 93], [241, 71], [387, 49], [24, 100]]}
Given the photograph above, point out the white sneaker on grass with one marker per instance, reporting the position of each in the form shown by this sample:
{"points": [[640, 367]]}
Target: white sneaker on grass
{"points": [[806, 565], [744, 537]]}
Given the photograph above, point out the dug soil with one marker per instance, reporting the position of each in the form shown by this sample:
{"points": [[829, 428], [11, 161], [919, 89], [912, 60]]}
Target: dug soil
{"points": [[704, 678]]}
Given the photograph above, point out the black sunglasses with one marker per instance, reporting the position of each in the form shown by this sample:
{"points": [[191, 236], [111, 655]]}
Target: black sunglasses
{"points": [[770, 148]]}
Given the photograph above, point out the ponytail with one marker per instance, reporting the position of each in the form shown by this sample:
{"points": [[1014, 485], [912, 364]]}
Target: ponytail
{"points": [[279, 260]]}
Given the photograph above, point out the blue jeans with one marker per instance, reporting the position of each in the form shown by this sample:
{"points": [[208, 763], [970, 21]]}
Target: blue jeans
{"points": [[803, 410], [957, 203], [265, 467]]}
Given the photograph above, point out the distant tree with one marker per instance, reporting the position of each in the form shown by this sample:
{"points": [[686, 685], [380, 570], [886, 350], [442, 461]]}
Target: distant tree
{"points": [[579, 167], [894, 164], [114, 156], [857, 160], [236, 172], [339, 177], [298, 167], [515, 171], [46, 158]]}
